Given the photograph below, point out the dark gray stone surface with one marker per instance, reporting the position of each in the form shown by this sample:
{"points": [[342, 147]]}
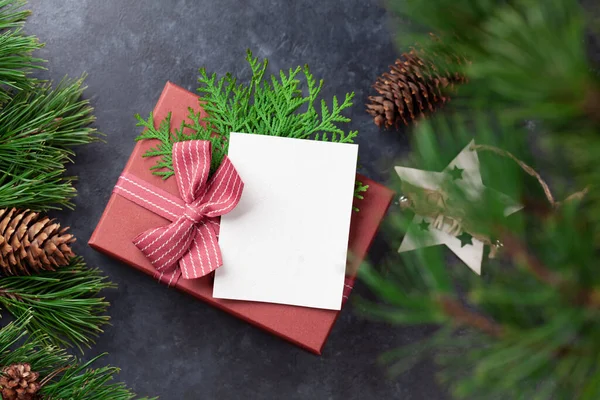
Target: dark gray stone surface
{"points": [[167, 343]]}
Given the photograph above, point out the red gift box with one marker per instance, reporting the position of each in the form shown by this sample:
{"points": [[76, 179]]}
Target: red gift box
{"points": [[123, 220]]}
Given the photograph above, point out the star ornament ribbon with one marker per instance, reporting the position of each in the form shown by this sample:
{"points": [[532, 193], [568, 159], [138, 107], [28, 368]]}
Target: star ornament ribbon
{"points": [[425, 231], [188, 245]]}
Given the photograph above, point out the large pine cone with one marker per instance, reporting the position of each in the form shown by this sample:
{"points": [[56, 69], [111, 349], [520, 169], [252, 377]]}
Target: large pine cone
{"points": [[30, 243], [18, 382], [412, 88]]}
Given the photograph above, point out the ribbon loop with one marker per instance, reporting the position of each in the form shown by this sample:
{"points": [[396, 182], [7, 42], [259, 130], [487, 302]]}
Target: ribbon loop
{"points": [[221, 191], [191, 164], [190, 240]]}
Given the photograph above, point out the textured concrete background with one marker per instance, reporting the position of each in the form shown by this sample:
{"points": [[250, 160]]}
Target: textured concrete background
{"points": [[167, 343]]}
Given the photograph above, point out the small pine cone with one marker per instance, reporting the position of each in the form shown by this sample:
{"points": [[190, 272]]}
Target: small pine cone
{"points": [[30, 243], [18, 382], [412, 88]]}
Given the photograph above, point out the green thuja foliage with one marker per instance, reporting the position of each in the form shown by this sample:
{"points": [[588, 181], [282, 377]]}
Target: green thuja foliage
{"points": [[529, 327], [359, 190], [275, 106]]}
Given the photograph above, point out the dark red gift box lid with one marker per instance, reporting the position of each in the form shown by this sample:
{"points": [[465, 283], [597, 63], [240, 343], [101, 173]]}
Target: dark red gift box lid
{"points": [[123, 220]]}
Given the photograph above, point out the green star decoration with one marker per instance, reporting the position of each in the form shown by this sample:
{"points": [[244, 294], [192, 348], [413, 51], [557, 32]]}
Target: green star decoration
{"points": [[424, 225], [456, 173], [465, 239]]}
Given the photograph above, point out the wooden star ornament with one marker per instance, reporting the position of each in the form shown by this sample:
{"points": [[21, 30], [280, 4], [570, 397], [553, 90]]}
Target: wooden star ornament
{"points": [[426, 230]]}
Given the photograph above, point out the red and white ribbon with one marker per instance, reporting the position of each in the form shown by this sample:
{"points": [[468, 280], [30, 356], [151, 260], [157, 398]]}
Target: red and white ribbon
{"points": [[188, 246], [348, 286]]}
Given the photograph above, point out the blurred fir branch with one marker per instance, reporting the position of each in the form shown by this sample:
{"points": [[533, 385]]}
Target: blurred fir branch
{"points": [[527, 58], [64, 305], [528, 328], [62, 376], [275, 106]]}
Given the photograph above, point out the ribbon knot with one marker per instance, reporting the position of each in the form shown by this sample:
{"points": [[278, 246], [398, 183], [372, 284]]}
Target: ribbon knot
{"points": [[188, 241], [193, 214]]}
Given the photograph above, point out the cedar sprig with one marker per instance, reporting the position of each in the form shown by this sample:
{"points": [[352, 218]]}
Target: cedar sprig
{"points": [[64, 304], [164, 165], [62, 376], [276, 106], [359, 190]]}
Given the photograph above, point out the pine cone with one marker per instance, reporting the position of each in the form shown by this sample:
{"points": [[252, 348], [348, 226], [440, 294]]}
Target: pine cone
{"points": [[30, 243], [18, 382], [412, 88]]}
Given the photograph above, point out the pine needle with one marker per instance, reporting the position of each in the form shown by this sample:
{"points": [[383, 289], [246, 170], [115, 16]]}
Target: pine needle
{"points": [[38, 129], [62, 375], [16, 60], [81, 382], [63, 305]]}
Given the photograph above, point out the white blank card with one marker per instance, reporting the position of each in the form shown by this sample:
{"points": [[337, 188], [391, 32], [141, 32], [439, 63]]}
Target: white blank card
{"points": [[286, 241]]}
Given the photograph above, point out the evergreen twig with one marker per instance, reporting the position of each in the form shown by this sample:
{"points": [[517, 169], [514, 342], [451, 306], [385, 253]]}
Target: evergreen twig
{"points": [[39, 125], [359, 190], [64, 304], [527, 58], [38, 128], [81, 382], [16, 60], [62, 375], [263, 106]]}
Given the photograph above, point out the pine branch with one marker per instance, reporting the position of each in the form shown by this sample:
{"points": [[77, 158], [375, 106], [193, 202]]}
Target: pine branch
{"points": [[38, 191], [80, 382], [12, 14], [39, 125], [62, 376], [263, 106], [16, 347], [38, 129], [64, 305], [16, 60]]}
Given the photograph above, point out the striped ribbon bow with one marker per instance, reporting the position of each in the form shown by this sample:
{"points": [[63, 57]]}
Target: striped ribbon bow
{"points": [[190, 240]]}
